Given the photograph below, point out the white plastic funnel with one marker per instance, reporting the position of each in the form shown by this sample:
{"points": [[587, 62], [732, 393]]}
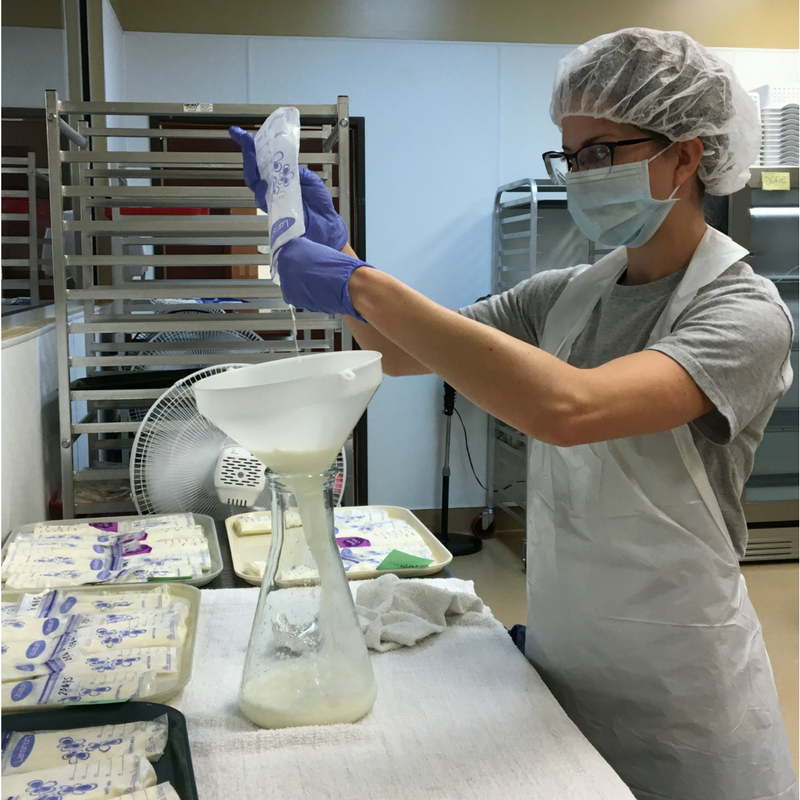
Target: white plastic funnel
{"points": [[295, 414]]}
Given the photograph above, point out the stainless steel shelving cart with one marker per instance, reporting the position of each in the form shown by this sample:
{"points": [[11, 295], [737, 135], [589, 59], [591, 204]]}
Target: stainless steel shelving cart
{"points": [[532, 232], [157, 202], [32, 241], [766, 222]]}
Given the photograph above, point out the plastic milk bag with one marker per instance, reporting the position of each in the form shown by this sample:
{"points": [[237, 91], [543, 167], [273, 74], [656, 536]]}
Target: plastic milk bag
{"points": [[277, 152]]}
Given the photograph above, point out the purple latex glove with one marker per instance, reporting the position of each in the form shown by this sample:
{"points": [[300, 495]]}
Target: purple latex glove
{"points": [[252, 177], [314, 277], [323, 224]]}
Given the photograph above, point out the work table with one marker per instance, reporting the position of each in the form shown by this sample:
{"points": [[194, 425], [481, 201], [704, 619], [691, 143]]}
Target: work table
{"points": [[461, 715]]}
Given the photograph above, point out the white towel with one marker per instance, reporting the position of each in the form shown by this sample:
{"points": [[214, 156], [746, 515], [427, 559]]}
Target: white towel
{"points": [[395, 613]]}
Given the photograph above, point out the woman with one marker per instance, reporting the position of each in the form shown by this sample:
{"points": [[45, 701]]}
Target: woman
{"points": [[644, 383]]}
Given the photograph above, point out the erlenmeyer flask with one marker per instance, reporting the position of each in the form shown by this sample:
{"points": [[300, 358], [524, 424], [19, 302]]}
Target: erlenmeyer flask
{"points": [[307, 662]]}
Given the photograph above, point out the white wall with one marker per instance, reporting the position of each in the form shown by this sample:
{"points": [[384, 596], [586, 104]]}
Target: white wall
{"points": [[33, 59], [113, 54], [30, 440], [446, 124], [114, 73]]}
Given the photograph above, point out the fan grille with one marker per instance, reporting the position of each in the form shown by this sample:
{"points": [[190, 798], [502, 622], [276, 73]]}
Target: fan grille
{"points": [[191, 344]]}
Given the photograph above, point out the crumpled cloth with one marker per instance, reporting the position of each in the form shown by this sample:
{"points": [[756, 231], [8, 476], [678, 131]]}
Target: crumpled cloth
{"points": [[399, 613]]}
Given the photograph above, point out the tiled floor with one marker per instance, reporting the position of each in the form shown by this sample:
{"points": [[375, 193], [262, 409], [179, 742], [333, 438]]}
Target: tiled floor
{"points": [[500, 580]]}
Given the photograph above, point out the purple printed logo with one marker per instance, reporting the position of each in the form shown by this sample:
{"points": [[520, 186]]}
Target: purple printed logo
{"points": [[105, 526], [280, 227], [67, 604], [96, 563], [98, 548], [36, 648], [21, 691], [141, 550], [352, 541], [23, 748], [103, 575], [50, 625]]}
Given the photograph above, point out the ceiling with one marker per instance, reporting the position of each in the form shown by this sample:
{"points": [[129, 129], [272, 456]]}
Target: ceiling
{"points": [[717, 23]]}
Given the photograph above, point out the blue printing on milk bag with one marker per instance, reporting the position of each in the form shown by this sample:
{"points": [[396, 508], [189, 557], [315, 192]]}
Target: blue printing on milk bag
{"points": [[50, 624], [23, 750], [21, 690], [277, 150], [36, 648], [67, 604], [281, 226]]}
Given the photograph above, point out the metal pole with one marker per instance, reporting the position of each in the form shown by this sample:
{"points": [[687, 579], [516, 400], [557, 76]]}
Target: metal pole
{"points": [[446, 480], [33, 231], [459, 544], [72, 134], [60, 296]]}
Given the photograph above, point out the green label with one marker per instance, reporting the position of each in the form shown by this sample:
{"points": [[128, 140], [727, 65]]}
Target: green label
{"points": [[400, 560]]}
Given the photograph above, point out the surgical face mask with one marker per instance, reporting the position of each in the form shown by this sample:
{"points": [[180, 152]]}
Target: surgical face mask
{"points": [[614, 207]]}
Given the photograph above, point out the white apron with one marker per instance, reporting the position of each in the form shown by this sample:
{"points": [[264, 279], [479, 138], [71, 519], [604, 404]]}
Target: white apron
{"points": [[638, 616]]}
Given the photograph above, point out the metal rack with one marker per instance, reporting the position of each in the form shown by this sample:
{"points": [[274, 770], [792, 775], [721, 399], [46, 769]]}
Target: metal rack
{"points": [[154, 191], [531, 231], [34, 243], [766, 223]]}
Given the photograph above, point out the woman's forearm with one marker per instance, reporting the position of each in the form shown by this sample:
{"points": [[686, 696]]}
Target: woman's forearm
{"points": [[526, 387], [520, 384], [396, 361]]}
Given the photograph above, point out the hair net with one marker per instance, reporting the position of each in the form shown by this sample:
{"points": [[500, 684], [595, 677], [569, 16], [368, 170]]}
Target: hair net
{"points": [[667, 83]]}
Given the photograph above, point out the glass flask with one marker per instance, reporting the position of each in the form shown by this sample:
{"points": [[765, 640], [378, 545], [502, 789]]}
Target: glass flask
{"points": [[307, 662]]}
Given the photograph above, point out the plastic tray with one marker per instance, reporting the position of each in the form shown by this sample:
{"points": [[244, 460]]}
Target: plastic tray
{"points": [[175, 765], [166, 686], [255, 547], [205, 522]]}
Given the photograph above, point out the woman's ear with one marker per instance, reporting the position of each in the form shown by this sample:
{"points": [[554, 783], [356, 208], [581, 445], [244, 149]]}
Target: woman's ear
{"points": [[689, 154]]}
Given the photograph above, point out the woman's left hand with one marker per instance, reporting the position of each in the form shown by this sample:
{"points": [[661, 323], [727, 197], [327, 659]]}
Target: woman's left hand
{"points": [[323, 223]]}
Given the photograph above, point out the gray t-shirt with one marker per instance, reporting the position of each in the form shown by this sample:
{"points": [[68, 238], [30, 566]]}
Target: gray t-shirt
{"points": [[732, 339]]}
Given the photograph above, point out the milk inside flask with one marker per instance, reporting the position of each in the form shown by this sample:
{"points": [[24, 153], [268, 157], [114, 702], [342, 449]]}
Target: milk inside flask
{"points": [[306, 663]]}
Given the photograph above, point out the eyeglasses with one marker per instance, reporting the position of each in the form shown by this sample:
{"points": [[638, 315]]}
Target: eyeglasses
{"points": [[599, 155]]}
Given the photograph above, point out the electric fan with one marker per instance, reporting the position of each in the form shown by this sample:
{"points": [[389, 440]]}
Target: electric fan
{"points": [[180, 461], [187, 337], [142, 336], [185, 340]]}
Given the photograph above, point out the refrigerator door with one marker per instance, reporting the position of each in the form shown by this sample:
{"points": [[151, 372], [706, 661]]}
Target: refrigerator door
{"points": [[768, 224]]}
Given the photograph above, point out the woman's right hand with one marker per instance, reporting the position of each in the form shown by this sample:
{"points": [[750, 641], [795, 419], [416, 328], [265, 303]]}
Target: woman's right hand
{"points": [[315, 277]]}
